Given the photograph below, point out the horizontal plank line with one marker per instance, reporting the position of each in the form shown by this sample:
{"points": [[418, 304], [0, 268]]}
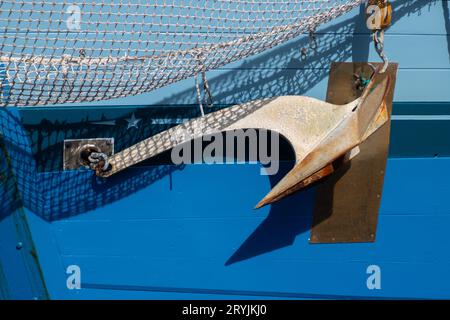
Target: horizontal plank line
{"points": [[158, 120], [226, 292], [413, 117]]}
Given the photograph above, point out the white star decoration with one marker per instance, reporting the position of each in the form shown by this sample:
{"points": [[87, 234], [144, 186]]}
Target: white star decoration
{"points": [[133, 122]]}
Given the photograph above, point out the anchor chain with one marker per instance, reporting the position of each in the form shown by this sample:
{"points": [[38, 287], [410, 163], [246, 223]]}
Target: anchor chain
{"points": [[312, 45], [379, 17], [92, 157], [99, 161]]}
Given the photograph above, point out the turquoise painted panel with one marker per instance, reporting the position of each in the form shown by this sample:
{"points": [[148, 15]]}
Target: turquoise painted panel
{"points": [[420, 45], [418, 17]]}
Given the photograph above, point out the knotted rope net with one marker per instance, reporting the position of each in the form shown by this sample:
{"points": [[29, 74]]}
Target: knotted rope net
{"points": [[61, 51]]}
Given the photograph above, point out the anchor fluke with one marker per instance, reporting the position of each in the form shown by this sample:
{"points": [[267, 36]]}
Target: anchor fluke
{"points": [[342, 140]]}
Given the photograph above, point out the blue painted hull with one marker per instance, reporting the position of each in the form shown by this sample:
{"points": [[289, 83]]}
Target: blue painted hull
{"points": [[160, 231], [164, 231]]}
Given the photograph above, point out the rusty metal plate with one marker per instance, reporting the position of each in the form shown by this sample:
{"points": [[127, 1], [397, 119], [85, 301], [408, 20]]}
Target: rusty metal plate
{"points": [[73, 149], [348, 201]]}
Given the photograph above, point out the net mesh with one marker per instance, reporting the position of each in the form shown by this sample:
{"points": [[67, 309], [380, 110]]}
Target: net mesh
{"points": [[59, 51]]}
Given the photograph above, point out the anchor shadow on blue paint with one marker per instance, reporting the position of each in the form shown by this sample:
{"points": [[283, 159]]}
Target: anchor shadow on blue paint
{"points": [[286, 220], [289, 217]]}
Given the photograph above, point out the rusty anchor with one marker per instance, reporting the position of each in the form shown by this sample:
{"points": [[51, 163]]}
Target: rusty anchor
{"points": [[319, 132]]}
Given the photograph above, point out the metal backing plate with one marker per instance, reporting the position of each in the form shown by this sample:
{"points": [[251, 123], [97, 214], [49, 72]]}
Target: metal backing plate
{"points": [[347, 202], [73, 148]]}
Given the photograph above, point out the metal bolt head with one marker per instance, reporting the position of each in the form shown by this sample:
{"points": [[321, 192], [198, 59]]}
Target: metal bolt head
{"points": [[19, 245]]}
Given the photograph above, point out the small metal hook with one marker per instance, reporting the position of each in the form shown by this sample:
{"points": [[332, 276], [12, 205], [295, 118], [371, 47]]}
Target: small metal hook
{"points": [[304, 53], [312, 40], [378, 40], [207, 90]]}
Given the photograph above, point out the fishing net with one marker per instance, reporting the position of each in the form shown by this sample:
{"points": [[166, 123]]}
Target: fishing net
{"points": [[59, 51]]}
